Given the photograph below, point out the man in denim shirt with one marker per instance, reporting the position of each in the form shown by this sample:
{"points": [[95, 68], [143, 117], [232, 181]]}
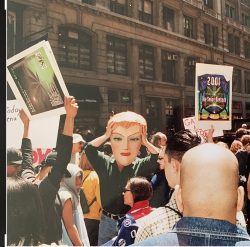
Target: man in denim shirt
{"points": [[209, 197]]}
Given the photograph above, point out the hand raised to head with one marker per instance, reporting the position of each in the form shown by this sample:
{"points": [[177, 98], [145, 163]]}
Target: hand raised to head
{"points": [[71, 106], [109, 128]]}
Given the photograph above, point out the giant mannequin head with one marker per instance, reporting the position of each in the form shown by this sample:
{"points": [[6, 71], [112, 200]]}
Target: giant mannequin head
{"points": [[126, 136]]}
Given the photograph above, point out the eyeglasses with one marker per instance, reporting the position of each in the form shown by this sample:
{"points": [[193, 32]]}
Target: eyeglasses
{"points": [[125, 190]]}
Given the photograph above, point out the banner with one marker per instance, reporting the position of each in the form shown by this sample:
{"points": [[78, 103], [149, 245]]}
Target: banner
{"points": [[36, 81], [213, 96], [42, 132]]}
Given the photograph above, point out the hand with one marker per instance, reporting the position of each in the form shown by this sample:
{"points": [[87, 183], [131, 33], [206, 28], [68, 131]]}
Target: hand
{"points": [[71, 106], [109, 129], [144, 135], [24, 117]]}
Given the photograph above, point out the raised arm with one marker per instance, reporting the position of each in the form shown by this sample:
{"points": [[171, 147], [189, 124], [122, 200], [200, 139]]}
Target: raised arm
{"points": [[101, 139], [27, 171], [150, 147], [64, 142]]}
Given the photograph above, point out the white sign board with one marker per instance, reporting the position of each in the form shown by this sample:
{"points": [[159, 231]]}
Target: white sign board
{"points": [[191, 123], [43, 132]]}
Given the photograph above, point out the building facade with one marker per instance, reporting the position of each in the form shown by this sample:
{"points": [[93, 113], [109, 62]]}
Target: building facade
{"points": [[138, 55]]}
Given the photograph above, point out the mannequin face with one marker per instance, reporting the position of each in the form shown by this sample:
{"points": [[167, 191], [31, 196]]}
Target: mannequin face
{"points": [[126, 143]]}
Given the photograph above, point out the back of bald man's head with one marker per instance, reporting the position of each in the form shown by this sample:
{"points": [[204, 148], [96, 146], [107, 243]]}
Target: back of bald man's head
{"points": [[209, 182]]}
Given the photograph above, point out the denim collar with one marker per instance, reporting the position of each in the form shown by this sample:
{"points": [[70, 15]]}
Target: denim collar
{"points": [[208, 225]]}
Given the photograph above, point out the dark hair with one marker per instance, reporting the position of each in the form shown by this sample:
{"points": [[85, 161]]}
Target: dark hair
{"points": [[141, 188], [181, 142], [240, 132], [25, 215]]}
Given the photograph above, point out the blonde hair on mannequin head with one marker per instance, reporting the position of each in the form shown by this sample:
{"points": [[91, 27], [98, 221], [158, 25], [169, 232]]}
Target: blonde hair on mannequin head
{"points": [[128, 119]]}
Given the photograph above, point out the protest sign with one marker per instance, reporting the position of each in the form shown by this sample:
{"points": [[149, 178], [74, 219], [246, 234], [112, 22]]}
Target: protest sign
{"points": [[36, 81], [190, 123], [39, 155], [213, 96], [43, 132]]}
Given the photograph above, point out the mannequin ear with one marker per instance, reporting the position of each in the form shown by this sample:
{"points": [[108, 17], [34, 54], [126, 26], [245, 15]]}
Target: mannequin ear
{"points": [[240, 200], [178, 198]]}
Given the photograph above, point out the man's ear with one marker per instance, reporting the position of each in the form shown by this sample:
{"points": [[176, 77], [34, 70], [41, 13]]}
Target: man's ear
{"points": [[240, 200], [178, 198]]}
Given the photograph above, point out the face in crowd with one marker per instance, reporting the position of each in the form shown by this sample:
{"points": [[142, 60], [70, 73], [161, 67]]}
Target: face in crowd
{"points": [[126, 137]]}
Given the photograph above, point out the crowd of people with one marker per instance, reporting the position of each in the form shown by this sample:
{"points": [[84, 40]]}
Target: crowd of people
{"points": [[123, 188]]}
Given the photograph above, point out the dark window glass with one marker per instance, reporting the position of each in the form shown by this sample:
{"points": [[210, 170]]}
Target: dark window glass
{"points": [[119, 6], [237, 45], [236, 80], [125, 97], [168, 19], [188, 27], [215, 37], [168, 66], [89, 1], [117, 55], [247, 83], [146, 11], [75, 49], [231, 43], [190, 71], [208, 3], [146, 62], [207, 33], [113, 95], [247, 49], [230, 11]]}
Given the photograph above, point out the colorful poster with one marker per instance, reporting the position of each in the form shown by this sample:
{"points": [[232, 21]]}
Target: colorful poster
{"points": [[36, 81], [213, 97], [43, 131]]}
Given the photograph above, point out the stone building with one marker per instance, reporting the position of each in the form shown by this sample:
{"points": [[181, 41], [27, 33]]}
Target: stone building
{"points": [[138, 55]]}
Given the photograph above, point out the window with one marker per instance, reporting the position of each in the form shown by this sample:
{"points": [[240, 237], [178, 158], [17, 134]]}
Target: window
{"points": [[190, 70], [236, 81], [119, 96], [117, 55], [189, 106], [245, 19], [92, 2], [125, 97], [168, 19], [169, 107], [146, 11], [11, 32], [211, 35], [230, 11], [75, 48], [215, 37], [119, 6], [168, 66], [146, 62], [207, 33], [247, 49], [247, 82], [208, 3], [188, 27], [234, 44]]}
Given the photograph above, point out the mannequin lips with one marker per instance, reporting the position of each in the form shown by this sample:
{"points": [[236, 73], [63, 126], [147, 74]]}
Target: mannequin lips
{"points": [[125, 154]]}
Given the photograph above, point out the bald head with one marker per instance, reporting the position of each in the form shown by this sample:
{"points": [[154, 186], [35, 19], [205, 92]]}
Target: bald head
{"points": [[209, 183]]}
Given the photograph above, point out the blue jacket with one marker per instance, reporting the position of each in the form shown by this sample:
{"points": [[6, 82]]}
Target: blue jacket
{"points": [[192, 231]]}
